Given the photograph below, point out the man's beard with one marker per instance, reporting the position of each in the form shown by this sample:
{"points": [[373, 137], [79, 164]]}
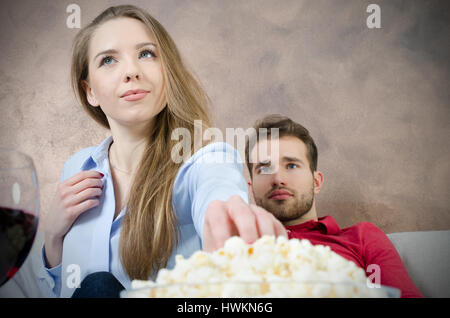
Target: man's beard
{"points": [[290, 209]]}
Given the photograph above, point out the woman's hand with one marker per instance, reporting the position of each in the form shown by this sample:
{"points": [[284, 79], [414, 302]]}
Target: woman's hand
{"points": [[235, 217], [73, 197]]}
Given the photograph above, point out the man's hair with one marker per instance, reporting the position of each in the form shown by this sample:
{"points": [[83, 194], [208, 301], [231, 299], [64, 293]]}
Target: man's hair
{"points": [[286, 127]]}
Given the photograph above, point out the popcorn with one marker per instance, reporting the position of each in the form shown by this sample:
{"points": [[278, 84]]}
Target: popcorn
{"points": [[270, 267]]}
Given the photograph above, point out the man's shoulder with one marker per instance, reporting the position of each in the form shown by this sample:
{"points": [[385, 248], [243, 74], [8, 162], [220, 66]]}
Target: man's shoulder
{"points": [[366, 225], [364, 228]]}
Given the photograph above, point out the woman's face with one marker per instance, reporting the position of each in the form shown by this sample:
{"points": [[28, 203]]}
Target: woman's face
{"points": [[123, 56]]}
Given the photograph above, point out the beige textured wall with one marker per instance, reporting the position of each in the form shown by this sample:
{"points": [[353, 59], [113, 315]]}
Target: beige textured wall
{"points": [[376, 100]]}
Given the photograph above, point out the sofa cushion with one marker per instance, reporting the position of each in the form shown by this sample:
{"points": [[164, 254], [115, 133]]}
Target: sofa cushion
{"points": [[426, 256]]}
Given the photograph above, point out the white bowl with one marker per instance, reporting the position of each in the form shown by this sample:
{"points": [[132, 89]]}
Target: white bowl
{"points": [[284, 289]]}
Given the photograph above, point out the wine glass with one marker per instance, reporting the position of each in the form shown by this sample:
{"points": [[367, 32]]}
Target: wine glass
{"points": [[19, 210]]}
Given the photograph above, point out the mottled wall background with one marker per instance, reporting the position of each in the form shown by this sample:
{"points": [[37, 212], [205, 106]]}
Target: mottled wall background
{"points": [[377, 101]]}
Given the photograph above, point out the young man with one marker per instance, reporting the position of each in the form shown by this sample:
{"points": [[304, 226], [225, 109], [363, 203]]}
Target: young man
{"points": [[285, 183]]}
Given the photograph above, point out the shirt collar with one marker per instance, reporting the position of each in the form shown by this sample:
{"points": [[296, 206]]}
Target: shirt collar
{"points": [[325, 224], [99, 154]]}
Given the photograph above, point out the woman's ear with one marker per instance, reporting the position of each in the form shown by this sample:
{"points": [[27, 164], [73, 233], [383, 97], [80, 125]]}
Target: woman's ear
{"points": [[90, 94]]}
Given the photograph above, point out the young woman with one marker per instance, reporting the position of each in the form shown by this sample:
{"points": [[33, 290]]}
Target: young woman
{"points": [[125, 207]]}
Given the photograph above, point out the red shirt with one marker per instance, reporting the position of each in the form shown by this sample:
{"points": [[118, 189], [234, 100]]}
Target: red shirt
{"points": [[362, 243]]}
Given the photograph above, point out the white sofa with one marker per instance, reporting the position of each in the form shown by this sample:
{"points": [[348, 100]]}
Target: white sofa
{"points": [[426, 256]]}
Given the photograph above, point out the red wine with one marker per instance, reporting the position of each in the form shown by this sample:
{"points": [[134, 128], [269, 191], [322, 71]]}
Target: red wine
{"points": [[17, 232]]}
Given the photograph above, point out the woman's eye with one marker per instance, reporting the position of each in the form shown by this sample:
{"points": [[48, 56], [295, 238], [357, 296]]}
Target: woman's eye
{"points": [[107, 60], [146, 54]]}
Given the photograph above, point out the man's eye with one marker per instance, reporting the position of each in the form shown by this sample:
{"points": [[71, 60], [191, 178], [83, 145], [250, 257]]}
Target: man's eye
{"points": [[266, 170], [292, 166]]}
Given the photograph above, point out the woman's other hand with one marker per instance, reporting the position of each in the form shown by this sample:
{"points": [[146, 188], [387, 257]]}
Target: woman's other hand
{"points": [[74, 196]]}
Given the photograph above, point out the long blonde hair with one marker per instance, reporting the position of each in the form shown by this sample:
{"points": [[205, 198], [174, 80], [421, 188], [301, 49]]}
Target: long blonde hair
{"points": [[149, 228]]}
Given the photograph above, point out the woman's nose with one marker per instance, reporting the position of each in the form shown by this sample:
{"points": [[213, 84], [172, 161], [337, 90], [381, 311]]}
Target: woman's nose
{"points": [[132, 72], [130, 76]]}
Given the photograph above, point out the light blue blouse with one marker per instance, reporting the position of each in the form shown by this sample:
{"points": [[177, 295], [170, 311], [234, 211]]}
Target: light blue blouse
{"points": [[92, 243]]}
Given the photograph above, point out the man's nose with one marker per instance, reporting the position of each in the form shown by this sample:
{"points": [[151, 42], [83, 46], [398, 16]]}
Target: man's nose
{"points": [[278, 178]]}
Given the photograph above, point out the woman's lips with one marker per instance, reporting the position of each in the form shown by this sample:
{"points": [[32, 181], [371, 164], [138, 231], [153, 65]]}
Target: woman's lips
{"points": [[134, 97]]}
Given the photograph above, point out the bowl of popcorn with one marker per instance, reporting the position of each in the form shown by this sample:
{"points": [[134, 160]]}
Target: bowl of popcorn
{"points": [[270, 267]]}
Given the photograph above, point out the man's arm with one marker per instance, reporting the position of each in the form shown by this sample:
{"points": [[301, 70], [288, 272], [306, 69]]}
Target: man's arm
{"points": [[379, 250]]}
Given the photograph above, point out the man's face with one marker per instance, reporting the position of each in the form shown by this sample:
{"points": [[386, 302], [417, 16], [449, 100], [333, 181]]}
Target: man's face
{"points": [[282, 182]]}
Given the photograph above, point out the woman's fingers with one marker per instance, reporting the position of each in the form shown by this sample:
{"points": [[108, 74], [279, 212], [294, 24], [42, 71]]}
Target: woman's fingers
{"points": [[73, 197], [264, 221], [268, 224], [82, 196], [87, 183], [243, 218], [235, 217], [76, 210], [80, 176], [279, 228], [82, 186], [218, 226]]}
